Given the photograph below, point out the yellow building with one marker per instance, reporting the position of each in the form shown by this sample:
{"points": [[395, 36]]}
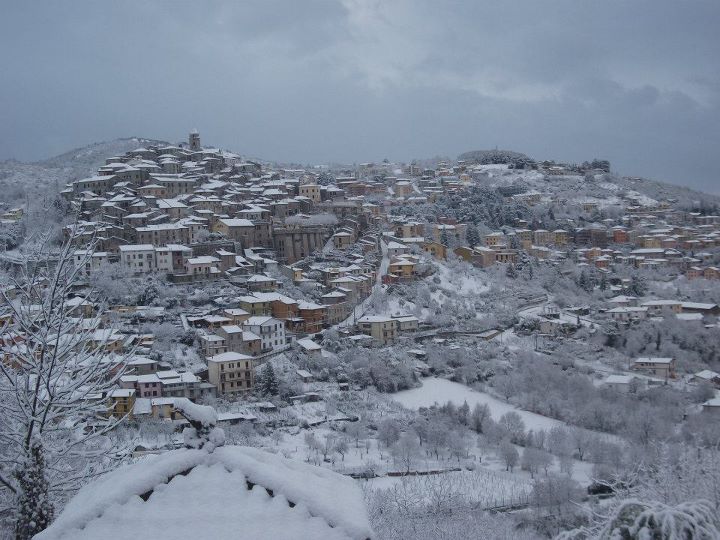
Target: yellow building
{"points": [[382, 329], [663, 368], [541, 237], [409, 230], [497, 238], [236, 315], [342, 240], [311, 191], [256, 306], [561, 237], [231, 373], [436, 249], [122, 401], [402, 268]]}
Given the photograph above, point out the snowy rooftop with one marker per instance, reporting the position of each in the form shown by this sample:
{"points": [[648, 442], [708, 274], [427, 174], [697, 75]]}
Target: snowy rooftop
{"points": [[231, 493], [619, 379], [308, 344], [652, 360], [229, 357]]}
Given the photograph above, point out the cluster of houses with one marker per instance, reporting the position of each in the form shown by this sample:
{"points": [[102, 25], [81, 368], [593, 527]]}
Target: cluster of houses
{"points": [[601, 246], [198, 213], [627, 309], [649, 371], [304, 249]]}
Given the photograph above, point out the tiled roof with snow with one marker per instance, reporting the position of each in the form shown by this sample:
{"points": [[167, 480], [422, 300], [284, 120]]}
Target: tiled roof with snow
{"points": [[230, 493]]}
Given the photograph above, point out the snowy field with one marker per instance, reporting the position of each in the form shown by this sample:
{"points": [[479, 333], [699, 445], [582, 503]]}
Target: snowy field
{"points": [[441, 391], [482, 487]]}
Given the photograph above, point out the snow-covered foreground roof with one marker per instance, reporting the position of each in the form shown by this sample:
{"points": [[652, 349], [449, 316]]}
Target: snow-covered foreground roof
{"points": [[234, 492]]}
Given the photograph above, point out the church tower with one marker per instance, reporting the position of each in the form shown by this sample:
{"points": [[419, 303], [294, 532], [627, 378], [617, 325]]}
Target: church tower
{"points": [[194, 140]]}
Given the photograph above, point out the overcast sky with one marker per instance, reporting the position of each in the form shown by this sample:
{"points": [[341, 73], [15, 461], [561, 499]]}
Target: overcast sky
{"points": [[633, 81]]}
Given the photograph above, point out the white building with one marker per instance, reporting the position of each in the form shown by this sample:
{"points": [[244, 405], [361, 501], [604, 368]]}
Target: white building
{"points": [[138, 258], [92, 263], [270, 330], [622, 383]]}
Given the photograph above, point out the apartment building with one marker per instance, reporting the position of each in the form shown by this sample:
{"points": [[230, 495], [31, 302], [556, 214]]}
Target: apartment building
{"points": [[382, 329], [231, 373], [270, 330]]}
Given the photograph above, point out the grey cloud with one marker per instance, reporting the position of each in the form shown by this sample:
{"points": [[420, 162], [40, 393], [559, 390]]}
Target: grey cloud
{"points": [[633, 82]]}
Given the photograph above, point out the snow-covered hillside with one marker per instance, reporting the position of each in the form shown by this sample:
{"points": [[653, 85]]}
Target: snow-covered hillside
{"points": [[602, 189], [20, 181]]}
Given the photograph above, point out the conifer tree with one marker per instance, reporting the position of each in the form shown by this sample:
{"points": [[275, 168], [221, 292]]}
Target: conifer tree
{"points": [[268, 381]]}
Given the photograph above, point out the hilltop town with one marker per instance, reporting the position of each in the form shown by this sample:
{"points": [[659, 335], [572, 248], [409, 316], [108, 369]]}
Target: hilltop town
{"points": [[521, 330]]}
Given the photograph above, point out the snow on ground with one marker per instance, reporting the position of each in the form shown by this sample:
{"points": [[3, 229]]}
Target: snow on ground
{"points": [[536, 312], [441, 391], [483, 487], [500, 175], [609, 186], [609, 200], [460, 283], [641, 199]]}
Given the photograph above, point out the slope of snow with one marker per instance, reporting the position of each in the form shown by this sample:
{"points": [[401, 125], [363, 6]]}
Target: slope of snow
{"points": [[464, 284], [44, 179], [441, 391]]}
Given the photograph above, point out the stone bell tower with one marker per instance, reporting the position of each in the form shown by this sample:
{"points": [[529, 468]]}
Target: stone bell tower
{"points": [[194, 140]]}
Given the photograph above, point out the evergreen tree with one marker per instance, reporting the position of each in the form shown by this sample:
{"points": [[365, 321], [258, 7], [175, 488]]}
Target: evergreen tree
{"points": [[586, 281], [637, 286], [582, 280], [325, 178], [472, 235], [444, 239], [268, 381], [510, 271], [612, 335]]}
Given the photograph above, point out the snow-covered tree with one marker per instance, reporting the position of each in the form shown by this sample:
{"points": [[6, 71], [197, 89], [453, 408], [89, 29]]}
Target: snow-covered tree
{"points": [[406, 450], [639, 520], [388, 432], [509, 454], [479, 416], [512, 424], [533, 460], [472, 236], [268, 384], [54, 380]]}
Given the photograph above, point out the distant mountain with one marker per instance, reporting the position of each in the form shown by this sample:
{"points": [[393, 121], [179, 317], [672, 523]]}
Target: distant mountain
{"points": [[42, 180], [90, 157]]}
